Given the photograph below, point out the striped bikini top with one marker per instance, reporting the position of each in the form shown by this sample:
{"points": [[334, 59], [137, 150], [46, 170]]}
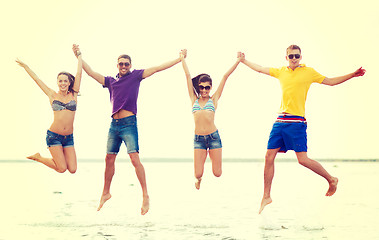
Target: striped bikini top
{"points": [[208, 106], [58, 105]]}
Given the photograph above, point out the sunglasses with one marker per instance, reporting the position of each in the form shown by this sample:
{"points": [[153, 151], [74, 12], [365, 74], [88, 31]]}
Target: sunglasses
{"points": [[121, 64], [291, 56], [201, 87]]}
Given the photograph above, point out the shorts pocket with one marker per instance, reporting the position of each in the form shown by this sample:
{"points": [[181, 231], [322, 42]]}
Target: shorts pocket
{"points": [[50, 138], [215, 135]]}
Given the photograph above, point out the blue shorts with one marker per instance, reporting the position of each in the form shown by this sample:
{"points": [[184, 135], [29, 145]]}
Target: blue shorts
{"points": [[211, 141], [124, 129], [55, 139], [288, 136]]}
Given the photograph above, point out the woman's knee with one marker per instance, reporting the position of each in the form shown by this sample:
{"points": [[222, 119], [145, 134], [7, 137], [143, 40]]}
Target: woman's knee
{"points": [[198, 175], [72, 169], [61, 168], [217, 172]]}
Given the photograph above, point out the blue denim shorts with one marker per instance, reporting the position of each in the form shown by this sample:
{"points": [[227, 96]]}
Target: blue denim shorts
{"points": [[211, 141], [288, 136], [124, 129], [55, 139]]}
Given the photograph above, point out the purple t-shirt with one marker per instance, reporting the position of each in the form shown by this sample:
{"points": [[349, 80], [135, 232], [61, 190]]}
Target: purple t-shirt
{"points": [[124, 91]]}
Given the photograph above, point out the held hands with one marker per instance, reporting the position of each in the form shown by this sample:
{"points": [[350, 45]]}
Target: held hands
{"points": [[76, 50], [240, 56], [360, 72], [183, 54]]}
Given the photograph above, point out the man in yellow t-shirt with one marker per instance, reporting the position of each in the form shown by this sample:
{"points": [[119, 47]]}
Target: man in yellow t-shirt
{"points": [[289, 130]]}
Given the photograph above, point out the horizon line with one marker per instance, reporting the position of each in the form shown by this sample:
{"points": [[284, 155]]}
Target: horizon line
{"points": [[173, 159]]}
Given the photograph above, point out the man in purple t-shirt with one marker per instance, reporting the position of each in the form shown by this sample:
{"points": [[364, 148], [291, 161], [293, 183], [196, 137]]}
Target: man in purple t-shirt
{"points": [[123, 92]]}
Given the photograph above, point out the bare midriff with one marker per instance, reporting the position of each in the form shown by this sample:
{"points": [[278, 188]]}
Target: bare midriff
{"points": [[204, 122], [122, 114]]}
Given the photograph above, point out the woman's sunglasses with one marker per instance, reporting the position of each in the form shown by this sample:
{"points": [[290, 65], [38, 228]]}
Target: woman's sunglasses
{"points": [[206, 87], [291, 56]]}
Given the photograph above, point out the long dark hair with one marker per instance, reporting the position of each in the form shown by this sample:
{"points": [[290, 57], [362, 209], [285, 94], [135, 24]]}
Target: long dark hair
{"points": [[71, 79], [200, 79]]}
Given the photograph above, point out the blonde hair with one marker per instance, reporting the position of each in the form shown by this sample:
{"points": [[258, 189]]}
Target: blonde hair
{"points": [[293, 47]]}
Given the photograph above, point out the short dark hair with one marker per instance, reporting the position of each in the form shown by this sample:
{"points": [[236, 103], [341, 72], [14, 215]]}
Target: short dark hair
{"points": [[293, 47], [125, 56]]}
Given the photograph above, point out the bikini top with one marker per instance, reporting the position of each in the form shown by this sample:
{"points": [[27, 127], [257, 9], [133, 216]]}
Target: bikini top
{"points": [[58, 105], [208, 106]]}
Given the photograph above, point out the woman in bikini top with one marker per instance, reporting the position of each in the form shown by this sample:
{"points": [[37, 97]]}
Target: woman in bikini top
{"points": [[204, 106], [63, 102]]}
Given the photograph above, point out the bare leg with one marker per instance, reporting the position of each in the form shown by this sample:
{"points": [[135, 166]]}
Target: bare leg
{"points": [[58, 162], [200, 155], [140, 171], [46, 161], [70, 157], [268, 176], [108, 175], [318, 168], [216, 157]]}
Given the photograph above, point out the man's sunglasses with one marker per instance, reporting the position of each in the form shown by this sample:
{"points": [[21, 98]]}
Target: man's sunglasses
{"points": [[206, 87], [121, 64], [291, 56]]}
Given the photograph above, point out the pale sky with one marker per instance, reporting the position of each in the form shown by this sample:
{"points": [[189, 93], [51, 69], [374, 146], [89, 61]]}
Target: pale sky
{"points": [[336, 38]]}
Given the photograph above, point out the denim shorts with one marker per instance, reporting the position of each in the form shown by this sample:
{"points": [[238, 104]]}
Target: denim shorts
{"points": [[55, 139], [288, 136], [124, 129], [211, 141]]}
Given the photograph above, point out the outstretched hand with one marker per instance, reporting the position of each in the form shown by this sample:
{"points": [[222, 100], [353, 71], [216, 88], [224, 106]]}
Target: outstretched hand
{"points": [[359, 72], [76, 50], [183, 54], [20, 63]]}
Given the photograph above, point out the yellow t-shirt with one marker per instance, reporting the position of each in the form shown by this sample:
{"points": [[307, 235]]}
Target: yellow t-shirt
{"points": [[295, 85]]}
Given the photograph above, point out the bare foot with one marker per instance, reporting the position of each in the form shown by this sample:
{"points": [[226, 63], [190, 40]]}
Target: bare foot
{"points": [[265, 201], [197, 183], [103, 199], [34, 157], [332, 187], [145, 205]]}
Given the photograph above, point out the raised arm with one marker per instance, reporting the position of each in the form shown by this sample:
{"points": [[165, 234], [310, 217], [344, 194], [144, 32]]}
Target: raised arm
{"points": [[191, 91], [150, 71], [337, 80], [78, 76], [217, 94], [97, 76], [48, 91], [256, 67]]}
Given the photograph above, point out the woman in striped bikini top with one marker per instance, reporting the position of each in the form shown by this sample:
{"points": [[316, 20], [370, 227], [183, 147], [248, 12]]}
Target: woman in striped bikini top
{"points": [[209, 106], [207, 139]]}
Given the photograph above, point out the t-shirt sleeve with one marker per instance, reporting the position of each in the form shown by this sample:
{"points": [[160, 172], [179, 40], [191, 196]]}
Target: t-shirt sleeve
{"points": [[107, 82], [317, 77], [274, 72], [139, 74]]}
